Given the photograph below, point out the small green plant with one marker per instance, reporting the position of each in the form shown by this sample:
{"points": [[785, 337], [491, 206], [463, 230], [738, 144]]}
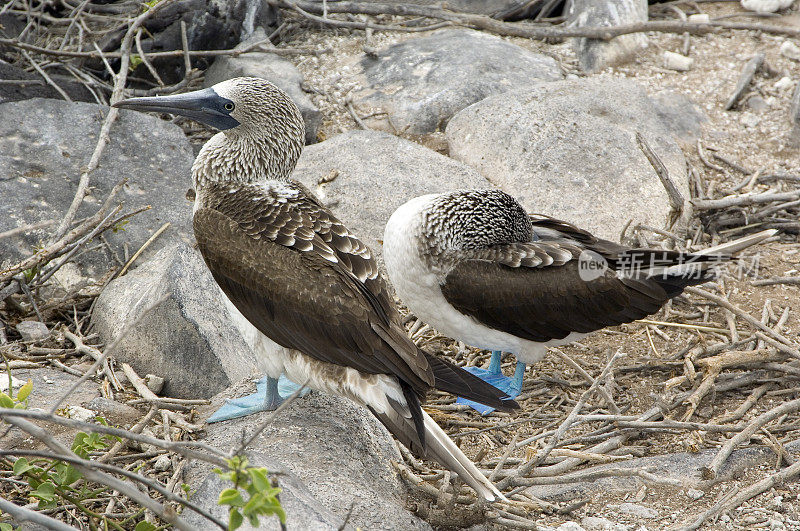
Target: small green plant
{"points": [[17, 402], [262, 497], [135, 61]]}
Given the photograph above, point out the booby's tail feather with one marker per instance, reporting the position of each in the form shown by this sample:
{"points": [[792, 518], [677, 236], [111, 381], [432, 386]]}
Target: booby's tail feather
{"points": [[438, 447], [455, 380]]}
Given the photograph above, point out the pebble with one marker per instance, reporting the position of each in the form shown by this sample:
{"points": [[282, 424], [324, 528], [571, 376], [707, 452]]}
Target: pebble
{"points": [[162, 463], [32, 330], [154, 383], [784, 83], [790, 50], [757, 103], [676, 61], [570, 526], [81, 414], [637, 510], [597, 523], [699, 18], [750, 120], [695, 494]]}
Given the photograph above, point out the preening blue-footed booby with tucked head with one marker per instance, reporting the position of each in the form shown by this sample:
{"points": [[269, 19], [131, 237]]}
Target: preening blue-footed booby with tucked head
{"points": [[475, 266], [310, 289]]}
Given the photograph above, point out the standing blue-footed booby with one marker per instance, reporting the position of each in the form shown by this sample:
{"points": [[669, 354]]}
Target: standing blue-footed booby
{"points": [[311, 289], [474, 265]]}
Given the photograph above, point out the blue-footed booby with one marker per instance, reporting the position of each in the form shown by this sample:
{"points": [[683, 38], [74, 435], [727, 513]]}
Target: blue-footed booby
{"points": [[477, 267], [309, 287]]}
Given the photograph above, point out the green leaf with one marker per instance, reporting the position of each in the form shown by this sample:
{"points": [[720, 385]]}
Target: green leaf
{"points": [[253, 505], [25, 390], [235, 519], [45, 491], [259, 478], [6, 527], [144, 526], [230, 497], [21, 466], [67, 475], [6, 401]]}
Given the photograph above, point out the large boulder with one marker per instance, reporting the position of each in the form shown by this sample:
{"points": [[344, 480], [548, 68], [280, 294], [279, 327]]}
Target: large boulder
{"points": [[44, 143], [332, 454], [275, 69], [210, 25], [373, 173], [189, 339], [568, 149], [37, 88], [597, 54], [421, 83]]}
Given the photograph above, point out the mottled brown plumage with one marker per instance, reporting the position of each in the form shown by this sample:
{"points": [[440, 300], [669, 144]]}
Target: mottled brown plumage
{"points": [[534, 289]]}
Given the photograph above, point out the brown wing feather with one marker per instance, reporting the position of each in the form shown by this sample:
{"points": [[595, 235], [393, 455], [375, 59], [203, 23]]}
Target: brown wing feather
{"points": [[271, 259], [533, 289]]}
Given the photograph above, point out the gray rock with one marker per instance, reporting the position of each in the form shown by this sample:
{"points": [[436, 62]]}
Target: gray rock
{"points": [[597, 523], [639, 511], [568, 149], [189, 338], [594, 54], [695, 494], [43, 146], [114, 412], [210, 25], [32, 330], [334, 454], [37, 88], [274, 68], [377, 172], [680, 115], [422, 82]]}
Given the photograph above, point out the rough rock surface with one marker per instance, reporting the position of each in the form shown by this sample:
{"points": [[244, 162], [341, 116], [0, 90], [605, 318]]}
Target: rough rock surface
{"points": [[568, 149], [274, 68], [37, 88], [681, 115], [336, 454], [189, 339], [376, 173], [594, 54], [210, 25], [422, 82], [44, 144]]}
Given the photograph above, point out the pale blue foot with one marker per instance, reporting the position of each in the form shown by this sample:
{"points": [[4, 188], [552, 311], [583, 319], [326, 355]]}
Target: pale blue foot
{"points": [[492, 375], [268, 396]]}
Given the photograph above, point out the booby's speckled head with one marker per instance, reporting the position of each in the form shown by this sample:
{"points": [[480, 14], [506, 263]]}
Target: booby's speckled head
{"points": [[262, 129]]}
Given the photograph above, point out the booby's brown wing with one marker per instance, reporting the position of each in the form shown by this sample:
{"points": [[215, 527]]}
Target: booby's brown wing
{"points": [[299, 276], [534, 290]]}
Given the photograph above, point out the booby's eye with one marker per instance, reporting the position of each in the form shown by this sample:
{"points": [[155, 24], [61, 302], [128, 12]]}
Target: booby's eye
{"points": [[229, 106]]}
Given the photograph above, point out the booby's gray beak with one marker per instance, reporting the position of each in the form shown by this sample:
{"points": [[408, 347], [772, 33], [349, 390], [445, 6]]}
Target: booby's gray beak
{"points": [[204, 106]]}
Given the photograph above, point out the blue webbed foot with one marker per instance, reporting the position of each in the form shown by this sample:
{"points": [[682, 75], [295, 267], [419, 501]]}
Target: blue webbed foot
{"points": [[268, 396], [510, 386], [287, 388]]}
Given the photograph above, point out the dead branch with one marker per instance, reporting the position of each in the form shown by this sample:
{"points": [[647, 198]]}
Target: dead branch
{"points": [[711, 471], [527, 30], [745, 78]]}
